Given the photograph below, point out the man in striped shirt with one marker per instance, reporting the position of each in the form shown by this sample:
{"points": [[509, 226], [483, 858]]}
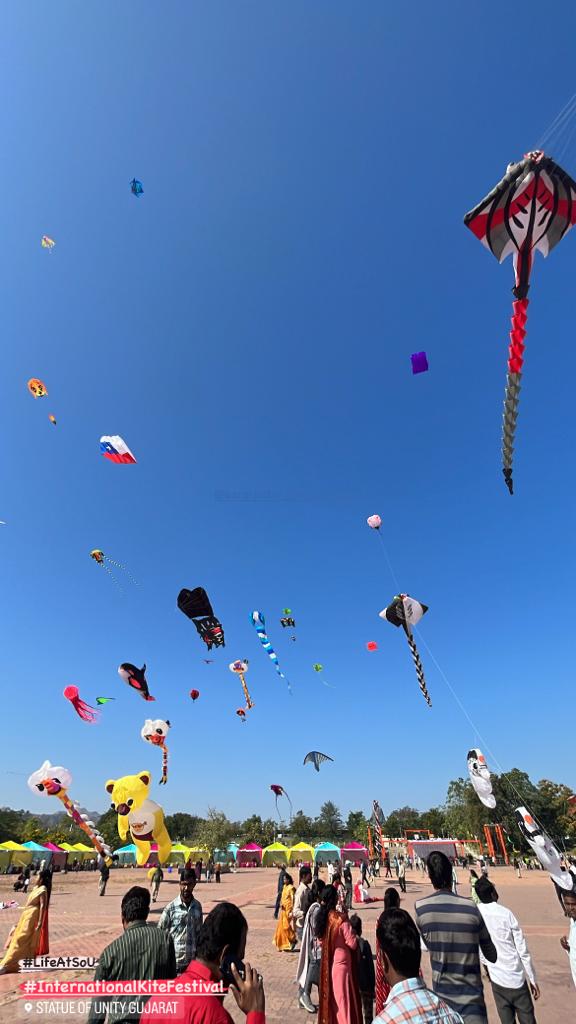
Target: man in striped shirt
{"points": [[454, 931]]}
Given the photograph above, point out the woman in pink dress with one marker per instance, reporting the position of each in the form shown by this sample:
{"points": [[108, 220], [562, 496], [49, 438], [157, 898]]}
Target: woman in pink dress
{"points": [[339, 1001]]}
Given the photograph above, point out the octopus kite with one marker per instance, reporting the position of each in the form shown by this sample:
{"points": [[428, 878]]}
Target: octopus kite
{"points": [[531, 209], [405, 611], [155, 731], [83, 710], [52, 781]]}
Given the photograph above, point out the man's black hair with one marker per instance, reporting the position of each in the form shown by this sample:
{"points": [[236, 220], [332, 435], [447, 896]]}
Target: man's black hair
{"points": [[439, 870], [316, 889], [355, 924], [399, 938], [225, 925], [135, 904], [304, 871], [485, 891], [188, 875]]}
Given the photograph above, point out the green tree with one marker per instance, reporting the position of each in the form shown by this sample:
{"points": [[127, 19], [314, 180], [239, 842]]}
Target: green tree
{"points": [[301, 828], [400, 819], [434, 820], [216, 831], [11, 825], [108, 828], [329, 823], [183, 827], [33, 831], [357, 826]]}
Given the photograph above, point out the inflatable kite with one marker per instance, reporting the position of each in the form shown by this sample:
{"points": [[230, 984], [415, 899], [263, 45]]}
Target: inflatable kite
{"points": [[371, 645], [480, 777], [419, 362], [139, 816], [239, 668], [136, 678], [530, 210], [315, 757], [112, 447], [52, 419], [37, 388], [52, 781], [194, 694], [241, 715], [287, 620], [257, 620], [85, 712], [47, 243], [405, 611], [155, 731], [136, 188], [280, 791], [545, 850], [105, 561], [104, 700], [196, 606], [374, 522]]}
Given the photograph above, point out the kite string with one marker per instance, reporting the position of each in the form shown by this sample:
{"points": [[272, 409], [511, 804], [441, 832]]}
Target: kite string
{"points": [[390, 566], [559, 123]]}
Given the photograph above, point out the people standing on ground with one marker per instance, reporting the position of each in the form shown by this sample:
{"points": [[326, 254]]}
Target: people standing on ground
{"points": [[285, 935], [366, 976], [217, 871], [210, 869], [388, 873], [396, 864], [348, 884], [221, 945], [409, 999], [308, 973], [339, 1001], [568, 903], [517, 867], [454, 929], [330, 872], [364, 874], [176, 916], [402, 874], [473, 880], [198, 870], [512, 976], [454, 879], [30, 936], [281, 877], [301, 900], [391, 902], [341, 901], [104, 869], [139, 954], [157, 878]]}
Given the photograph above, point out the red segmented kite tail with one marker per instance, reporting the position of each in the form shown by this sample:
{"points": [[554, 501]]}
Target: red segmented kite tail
{"points": [[513, 382], [164, 778], [77, 818]]}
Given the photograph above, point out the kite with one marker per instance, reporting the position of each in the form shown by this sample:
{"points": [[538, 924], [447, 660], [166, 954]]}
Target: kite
{"points": [[52, 781], [114, 448], [545, 850], [480, 777], [241, 715], [101, 559], [104, 700], [320, 668], [136, 188], [47, 243], [258, 621], [531, 209], [37, 388], [280, 791], [315, 757], [371, 645], [86, 713], [52, 419], [405, 611], [136, 678], [419, 362], [287, 619], [194, 694], [374, 522], [155, 731], [139, 816], [195, 604], [239, 668]]}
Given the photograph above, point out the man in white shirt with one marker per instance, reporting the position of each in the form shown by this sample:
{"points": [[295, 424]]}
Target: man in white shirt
{"points": [[512, 975]]}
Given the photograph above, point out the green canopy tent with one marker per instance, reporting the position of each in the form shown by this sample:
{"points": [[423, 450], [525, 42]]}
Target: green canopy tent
{"points": [[20, 856], [276, 853]]}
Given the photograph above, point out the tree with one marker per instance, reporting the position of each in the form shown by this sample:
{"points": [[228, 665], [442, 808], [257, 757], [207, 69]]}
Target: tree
{"points": [[108, 828], [357, 826], [301, 827], [215, 831], [33, 832], [182, 826], [329, 822], [402, 818], [11, 825], [434, 820]]}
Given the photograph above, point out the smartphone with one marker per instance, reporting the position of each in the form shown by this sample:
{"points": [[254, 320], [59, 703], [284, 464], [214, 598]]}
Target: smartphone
{"points": [[227, 976]]}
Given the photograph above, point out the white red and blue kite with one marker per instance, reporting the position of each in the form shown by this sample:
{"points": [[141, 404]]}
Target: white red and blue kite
{"points": [[115, 449]]}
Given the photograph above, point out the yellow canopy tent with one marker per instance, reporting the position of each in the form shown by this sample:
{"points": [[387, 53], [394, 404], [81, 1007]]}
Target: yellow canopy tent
{"points": [[178, 854], [86, 851], [20, 857], [198, 853], [5, 856], [303, 852], [276, 853]]}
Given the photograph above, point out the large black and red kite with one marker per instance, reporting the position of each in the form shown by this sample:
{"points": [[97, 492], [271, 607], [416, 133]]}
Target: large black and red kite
{"points": [[196, 605]]}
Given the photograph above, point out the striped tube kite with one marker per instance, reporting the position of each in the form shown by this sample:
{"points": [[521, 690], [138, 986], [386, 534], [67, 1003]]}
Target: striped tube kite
{"points": [[405, 611], [52, 781], [531, 209], [155, 731], [258, 621]]}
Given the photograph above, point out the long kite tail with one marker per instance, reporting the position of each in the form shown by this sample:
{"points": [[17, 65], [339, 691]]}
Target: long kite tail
{"points": [[513, 382], [247, 697], [77, 818], [164, 779], [419, 668], [257, 620]]}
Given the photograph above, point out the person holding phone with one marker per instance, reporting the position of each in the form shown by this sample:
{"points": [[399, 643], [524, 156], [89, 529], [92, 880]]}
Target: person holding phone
{"points": [[219, 957]]}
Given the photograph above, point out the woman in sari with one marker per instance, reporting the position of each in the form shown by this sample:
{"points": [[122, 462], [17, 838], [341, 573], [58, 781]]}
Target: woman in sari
{"points": [[285, 936], [339, 1001], [30, 936], [391, 901]]}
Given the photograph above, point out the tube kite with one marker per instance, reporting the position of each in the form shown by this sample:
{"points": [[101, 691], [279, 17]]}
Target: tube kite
{"points": [[136, 678], [195, 604], [315, 757], [280, 791], [52, 781], [405, 611], [529, 210], [480, 777], [258, 621], [239, 668], [155, 731], [83, 710], [545, 850]]}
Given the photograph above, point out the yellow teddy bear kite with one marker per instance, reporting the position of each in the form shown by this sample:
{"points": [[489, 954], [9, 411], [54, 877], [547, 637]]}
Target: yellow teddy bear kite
{"points": [[143, 818]]}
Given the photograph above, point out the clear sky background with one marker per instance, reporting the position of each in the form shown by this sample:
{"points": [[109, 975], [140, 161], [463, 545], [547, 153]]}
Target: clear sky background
{"points": [[247, 327]]}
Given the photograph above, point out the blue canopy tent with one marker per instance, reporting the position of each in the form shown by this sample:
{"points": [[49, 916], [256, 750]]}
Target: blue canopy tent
{"points": [[126, 854], [324, 852], [41, 851]]}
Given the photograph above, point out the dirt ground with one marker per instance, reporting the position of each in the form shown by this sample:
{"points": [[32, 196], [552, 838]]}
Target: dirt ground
{"points": [[82, 923]]}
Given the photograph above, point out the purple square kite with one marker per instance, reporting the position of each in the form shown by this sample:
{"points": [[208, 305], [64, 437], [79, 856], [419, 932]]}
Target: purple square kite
{"points": [[419, 362]]}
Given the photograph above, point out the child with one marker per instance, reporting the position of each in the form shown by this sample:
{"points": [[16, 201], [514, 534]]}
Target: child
{"points": [[366, 976]]}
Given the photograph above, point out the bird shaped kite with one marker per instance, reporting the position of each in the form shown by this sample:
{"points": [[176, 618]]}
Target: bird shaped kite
{"points": [[195, 604], [258, 621], [405, 611], [136, 678], [155, 731], [83, 710], [239, 668], [280, 791], [52, 781], [480, 777], [531, 209], [315, 757]]}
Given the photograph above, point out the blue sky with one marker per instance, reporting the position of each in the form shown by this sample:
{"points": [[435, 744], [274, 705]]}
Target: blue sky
{"points": [[247, 328]]}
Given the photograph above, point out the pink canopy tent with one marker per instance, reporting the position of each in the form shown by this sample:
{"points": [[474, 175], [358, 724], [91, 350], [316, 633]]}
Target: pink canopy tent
{"points": [[247, 854], [354, 852], [59, 856]]}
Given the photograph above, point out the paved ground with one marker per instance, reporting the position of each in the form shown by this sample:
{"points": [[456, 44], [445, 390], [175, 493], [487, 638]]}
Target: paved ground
{"points": [[83, 923]]}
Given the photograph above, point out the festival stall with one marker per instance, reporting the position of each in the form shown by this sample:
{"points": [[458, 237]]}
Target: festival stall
{"points": [[125, 855], [5, 858], [233, 849], [276, 853], [301, 852], [325, 852], [85, 852], [179, 854], [224, 857], [41, 853], [20, 856], [355, 852], [196, 853], [249, 856], [59, 856]]}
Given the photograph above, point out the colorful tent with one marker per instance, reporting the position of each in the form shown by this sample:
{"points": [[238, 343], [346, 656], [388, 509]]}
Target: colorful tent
{"points": [[59, 856], [233, 849], [126, 854], [247, 854], [42, 852], [5, 858], [198, 853], [224, 856], [21, 857], [86, 852], [276, 853], [354, 852], [179, 853], [303, 852], [324, 852]]}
